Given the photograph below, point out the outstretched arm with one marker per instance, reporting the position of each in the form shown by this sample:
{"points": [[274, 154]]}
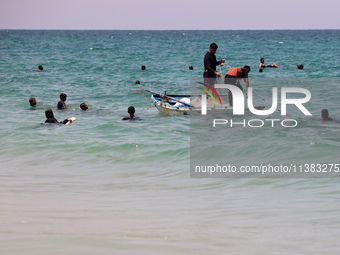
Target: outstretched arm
{"points": [[246, 80]]}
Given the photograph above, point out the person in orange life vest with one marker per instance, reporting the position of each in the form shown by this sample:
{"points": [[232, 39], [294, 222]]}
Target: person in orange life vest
{"points": [[210, 64], [233, 76]]}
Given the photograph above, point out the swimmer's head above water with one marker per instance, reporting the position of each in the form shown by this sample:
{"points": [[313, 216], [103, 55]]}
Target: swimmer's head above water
{"points": [[32, 101], [325, 114], [63, 97], [84, 106], [131, 111], [49, 113]]}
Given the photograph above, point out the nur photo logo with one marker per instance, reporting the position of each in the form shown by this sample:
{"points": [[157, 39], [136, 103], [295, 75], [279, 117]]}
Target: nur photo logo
{"points": [[239, 106]]}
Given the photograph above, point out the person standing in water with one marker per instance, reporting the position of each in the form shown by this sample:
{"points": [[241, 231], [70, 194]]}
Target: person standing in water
{"points": [[210, 64], [233, 77], [61, 104]]}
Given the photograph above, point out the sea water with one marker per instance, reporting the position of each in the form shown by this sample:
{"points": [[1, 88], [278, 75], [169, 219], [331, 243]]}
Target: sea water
{"points": [[106, 186]]}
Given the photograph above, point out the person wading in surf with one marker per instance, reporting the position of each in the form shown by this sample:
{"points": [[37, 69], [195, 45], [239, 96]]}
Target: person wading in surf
{"points": [[210, 64], [233, 77]]}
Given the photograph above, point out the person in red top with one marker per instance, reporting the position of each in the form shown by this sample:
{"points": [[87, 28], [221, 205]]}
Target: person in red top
{"points": [[233, 76]]}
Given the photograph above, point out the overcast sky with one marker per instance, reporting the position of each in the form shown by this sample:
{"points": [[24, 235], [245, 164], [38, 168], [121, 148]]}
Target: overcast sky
{"points": [[169, 14]]}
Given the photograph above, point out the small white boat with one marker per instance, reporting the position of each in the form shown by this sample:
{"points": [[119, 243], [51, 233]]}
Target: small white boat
{"points": [[187, 104]]}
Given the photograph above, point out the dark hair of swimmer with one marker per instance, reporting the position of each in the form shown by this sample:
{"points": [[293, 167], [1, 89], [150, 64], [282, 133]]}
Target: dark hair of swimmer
{"points": [[32, 101], [248, 68], [137, 82], [191, 68], [300, 67], [213, 46], [143, 67], [40, 68], [84, 106], [49, 113], [50, 117], [131, 110], [261, 60], [325, 114], [63, 96]]}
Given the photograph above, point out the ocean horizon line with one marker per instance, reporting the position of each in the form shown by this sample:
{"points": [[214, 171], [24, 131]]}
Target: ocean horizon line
{"points": [[69, 29]]}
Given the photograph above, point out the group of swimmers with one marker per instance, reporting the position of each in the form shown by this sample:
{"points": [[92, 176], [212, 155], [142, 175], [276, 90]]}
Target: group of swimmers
{"points": [[262, 65], [61, 105], [233, 76]]}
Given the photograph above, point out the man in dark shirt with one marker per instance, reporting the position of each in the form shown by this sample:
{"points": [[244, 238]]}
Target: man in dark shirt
{"points": [[210, 64], [61, 104]]}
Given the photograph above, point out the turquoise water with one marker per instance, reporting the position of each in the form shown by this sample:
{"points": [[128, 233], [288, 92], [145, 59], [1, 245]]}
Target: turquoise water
{"points": [[103, 186]]}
